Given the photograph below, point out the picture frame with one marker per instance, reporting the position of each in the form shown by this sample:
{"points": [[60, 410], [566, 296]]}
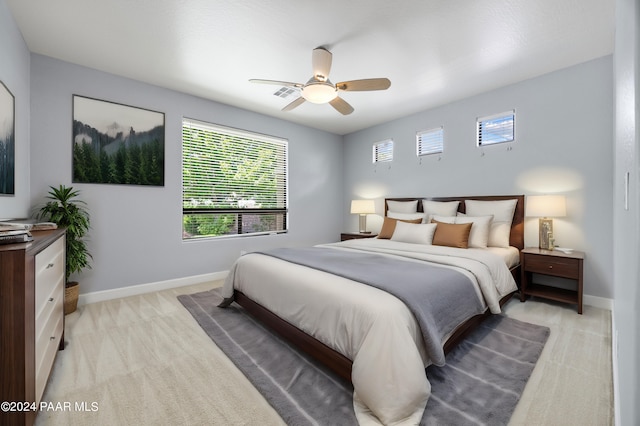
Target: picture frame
{"points": [[7, 141], [114, 143]]}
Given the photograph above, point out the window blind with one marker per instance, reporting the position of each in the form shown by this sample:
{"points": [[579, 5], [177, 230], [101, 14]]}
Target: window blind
{"points": [[430, 141], [497, 128], [233, 181], [383, 151]]}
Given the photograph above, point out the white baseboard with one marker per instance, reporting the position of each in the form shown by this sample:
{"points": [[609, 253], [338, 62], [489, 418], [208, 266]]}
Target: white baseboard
{"points": [[598, 302], [116, 293], [614, 364]]}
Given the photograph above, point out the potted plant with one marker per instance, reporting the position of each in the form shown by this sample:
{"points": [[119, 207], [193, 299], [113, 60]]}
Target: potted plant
{"points": [[67, 211]]}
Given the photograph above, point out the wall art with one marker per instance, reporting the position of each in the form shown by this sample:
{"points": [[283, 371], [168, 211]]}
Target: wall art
{"points": [[117, 144], [7, 141]]}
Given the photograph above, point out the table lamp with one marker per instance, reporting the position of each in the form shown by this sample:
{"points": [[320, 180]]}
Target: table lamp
{"points": [[363, 208], [546, 207]]}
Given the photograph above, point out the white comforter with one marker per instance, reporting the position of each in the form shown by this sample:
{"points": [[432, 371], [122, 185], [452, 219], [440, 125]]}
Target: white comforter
{"points": [[369, 326]]}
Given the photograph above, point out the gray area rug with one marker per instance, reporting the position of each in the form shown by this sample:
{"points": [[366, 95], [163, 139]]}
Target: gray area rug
{"points": [[480, 384]]}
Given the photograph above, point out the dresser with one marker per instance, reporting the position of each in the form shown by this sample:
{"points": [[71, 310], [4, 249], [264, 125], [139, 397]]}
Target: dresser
{"points": [[32, 278]]}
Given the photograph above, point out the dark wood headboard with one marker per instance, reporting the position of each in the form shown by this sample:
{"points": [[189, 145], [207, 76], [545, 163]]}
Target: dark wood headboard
{"points": [[516, 238]]}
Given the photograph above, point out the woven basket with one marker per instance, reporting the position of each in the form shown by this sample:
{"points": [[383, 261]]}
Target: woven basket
{"points": [[71, 291]]}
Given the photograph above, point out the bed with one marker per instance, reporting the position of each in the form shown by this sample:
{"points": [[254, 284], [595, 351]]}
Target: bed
{"points": [[373, 338]]}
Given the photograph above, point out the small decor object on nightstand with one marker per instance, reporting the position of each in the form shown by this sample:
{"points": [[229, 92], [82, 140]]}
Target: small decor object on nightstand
{"points": [[555, 264], [363, 208], [545, 207]]}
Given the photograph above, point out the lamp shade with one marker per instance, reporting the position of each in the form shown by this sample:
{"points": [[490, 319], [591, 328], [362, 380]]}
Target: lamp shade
{"points": [[546, 206], [362, 207]]}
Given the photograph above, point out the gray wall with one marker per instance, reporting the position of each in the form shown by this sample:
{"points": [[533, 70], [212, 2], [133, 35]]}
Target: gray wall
{"points": [[14, 73], [136, 230], [564, 124], [626, 313]]}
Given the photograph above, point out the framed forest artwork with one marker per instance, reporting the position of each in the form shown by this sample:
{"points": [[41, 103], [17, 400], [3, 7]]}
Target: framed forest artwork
{"points": [[117, 144], [7, 141]]}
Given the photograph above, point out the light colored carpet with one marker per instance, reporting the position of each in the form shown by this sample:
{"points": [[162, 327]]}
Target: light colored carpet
{"points": [[144, 360]]}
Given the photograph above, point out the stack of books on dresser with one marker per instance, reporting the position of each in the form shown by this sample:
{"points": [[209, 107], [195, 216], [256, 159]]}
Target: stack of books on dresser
{"points": [[20, 232], [11, 234]]}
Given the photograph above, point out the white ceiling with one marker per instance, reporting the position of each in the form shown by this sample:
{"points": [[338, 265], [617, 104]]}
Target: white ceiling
{"points": [[433, 51]]}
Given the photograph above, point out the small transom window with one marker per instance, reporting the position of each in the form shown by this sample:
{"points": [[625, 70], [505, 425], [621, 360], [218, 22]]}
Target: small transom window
{"points": [[430, 141], [496, 128], [383, 151]]}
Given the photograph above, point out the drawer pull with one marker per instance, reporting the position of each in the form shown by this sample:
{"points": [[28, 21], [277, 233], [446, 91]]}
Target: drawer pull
{"points": [[51, 265], [52, 338], [550, 266]]}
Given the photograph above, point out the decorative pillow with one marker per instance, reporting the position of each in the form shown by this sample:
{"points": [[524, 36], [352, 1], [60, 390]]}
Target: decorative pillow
{"points": [[403, 206], [452, 235], [479, 234], [502, 212], [389, 225], [405, 216], [414, 233], [440, 208], [444, 219]]}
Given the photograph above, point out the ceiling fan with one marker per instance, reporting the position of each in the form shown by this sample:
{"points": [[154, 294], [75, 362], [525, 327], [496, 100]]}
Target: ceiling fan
{"points": [[320, 90]]}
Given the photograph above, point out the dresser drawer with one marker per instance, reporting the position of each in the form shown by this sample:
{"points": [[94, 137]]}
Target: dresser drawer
{"points": [[49, 272], [557, 266], [52, 309], [46, 349]]}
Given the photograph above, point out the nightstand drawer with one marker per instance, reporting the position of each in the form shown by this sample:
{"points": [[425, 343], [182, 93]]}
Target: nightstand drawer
{"points": [[557, 266]]}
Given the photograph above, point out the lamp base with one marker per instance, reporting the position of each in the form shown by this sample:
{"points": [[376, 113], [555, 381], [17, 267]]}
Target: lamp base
{"points": [[545, 227], [362, 224]]}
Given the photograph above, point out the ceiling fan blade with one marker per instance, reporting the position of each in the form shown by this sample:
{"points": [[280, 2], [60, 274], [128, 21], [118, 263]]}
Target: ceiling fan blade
{"points": [[364, 85], [295, 103], [277, 82], [341, 106], [321, 63]]}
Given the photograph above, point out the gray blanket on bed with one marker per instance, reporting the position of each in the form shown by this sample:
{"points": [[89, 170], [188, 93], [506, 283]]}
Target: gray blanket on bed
{"points": [[440, 298]]}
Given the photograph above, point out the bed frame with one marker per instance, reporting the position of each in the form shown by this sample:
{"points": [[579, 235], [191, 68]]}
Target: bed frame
{"points": [[341, 364]]}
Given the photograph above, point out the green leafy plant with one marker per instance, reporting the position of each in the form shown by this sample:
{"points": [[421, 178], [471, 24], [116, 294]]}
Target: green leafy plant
{"points": [[67, 211]]}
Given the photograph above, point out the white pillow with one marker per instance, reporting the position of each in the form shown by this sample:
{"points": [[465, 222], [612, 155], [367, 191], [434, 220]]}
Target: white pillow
{"points": [[440, 208], [405, 216], [416, 233], [479, 234], [403, 206], [502, 212]]}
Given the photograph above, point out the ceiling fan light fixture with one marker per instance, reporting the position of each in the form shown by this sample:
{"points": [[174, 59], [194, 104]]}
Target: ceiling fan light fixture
{"points": [[319, 92]]}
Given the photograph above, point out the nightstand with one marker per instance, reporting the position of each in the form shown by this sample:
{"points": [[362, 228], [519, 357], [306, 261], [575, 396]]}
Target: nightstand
{"points": [[555, 264], [356, 235]]}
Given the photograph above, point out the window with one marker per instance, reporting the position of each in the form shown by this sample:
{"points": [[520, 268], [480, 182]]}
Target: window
{"points": [[496, 128], [233, 182], [429, 141], [383, 151]]}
